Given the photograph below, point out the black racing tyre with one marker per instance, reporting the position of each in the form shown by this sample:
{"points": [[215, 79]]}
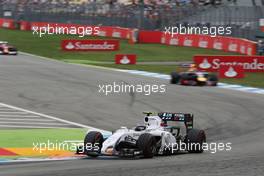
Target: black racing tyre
{"points": [[147, 144], [175, 78], [93, 142], [194, 140], [212, 78]]}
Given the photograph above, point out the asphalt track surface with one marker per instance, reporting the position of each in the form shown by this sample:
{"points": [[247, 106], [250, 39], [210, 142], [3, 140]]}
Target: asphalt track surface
{"points": [[71, 92]]}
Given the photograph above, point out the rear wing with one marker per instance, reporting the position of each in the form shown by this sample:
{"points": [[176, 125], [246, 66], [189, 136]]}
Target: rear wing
{"points": [[187, 118]]}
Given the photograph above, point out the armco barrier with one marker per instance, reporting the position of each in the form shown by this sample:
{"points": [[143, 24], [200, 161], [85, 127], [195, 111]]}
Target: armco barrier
{"points": [[104, 31], [228, 44], [25, 25], [90, 45], [149, 37], [7, 23]]}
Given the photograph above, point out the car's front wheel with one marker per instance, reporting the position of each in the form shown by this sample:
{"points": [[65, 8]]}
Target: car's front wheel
{"points": [[213, 79], [175, 78], [93, 142], [147, 144]]}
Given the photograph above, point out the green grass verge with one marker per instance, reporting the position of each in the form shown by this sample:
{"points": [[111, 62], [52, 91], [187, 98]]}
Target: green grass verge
{"points": [[26, 137], [251, 80]]}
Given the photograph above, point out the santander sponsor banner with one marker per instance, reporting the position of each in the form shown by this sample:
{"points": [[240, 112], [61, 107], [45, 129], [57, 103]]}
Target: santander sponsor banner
{"points": [[228, 44], [7, 23], [227, 71], [213, 63], [25, 26], [90, 45], [125, 59]]}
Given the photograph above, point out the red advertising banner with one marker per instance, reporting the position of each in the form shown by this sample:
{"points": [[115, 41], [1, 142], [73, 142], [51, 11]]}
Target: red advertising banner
{"points": [[149, 36], [25, 26], [90, 45], [214, 63], [228, 44], [7, 23], [125, 59], [227, 71]]}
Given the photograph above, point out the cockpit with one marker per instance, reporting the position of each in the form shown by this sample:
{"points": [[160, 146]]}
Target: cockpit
{"points": [[150, 122]]}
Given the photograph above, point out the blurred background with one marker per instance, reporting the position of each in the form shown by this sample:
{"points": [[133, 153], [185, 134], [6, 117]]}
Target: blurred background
{"points": [[242, 15]]}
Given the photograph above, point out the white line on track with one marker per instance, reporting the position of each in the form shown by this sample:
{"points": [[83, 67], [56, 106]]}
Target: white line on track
{"points": [[32, 127], [13, 112], [22, 119], [36, 123], [54, 118], [22, 116], [6, 109]]}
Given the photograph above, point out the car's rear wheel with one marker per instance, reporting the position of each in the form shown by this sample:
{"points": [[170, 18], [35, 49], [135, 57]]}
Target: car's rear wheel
{"points": [[147, 144], [175, 78], [93, 142], [195, 139]]}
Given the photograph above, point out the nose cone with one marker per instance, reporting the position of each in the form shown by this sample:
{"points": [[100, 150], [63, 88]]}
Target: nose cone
{"points": [[202, 79]]}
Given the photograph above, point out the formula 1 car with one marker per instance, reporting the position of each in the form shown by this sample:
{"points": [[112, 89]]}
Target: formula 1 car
{"points": [[7, 49], [155, 137], [194, 78]]}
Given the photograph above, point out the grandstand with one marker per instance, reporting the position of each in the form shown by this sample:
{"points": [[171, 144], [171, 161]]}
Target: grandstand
{"points": [[242, 15]]}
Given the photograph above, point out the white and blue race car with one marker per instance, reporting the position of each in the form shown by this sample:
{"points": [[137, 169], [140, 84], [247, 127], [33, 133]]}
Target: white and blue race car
{"points": [[154, 137]]}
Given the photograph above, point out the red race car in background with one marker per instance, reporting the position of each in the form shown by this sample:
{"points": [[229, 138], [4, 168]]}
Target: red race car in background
{"points": [[7, 49], [193, 77]]}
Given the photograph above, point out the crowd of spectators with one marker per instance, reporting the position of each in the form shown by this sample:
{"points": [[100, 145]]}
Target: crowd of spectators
{"points": [[153, 10], [98, 7]]}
